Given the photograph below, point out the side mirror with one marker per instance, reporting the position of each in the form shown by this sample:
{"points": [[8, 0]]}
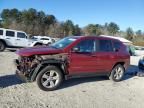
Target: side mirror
{"points": [[75, 49], [116, 50]]}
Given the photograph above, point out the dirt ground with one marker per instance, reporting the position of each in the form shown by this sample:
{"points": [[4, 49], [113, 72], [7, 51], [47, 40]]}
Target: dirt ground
{"points": [[98, 92]]}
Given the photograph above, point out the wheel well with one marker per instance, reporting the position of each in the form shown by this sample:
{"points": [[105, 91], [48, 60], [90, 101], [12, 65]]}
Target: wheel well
{"points": [[47, 64], [59, 66], [122, 63], [3, 42]]}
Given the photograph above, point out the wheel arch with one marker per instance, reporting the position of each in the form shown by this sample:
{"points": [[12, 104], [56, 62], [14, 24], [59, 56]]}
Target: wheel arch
{"points": [[3, 41], [121, 63], [37, 43], [59, 64]]}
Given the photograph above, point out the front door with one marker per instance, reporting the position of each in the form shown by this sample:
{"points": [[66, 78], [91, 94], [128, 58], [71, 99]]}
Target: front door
{"points": [[83, 60]]}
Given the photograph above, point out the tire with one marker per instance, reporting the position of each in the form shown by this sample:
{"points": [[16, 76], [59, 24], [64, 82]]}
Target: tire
{"points": [[48, 44], [117, 73], [38, 44], [2, 46], [49, 78]]}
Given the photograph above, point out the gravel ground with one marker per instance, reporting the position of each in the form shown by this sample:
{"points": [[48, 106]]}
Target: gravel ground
{"points": [[98, 92]]}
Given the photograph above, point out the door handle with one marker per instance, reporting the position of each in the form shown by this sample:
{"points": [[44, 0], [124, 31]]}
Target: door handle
{"points": [[93, 55], [17, 39], [7, 38]]}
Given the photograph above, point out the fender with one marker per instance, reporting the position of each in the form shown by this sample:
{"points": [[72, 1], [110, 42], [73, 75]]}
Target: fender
{"points": [[2, 40], [47, 62]]}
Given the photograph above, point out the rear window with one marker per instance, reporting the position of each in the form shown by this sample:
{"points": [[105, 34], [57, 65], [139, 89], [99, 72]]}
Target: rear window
{"points": [[10, 33], [105, 46], [1, 32]]}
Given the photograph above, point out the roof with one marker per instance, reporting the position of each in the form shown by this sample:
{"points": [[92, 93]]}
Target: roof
{"points": [[119, 38], [11, 30]]}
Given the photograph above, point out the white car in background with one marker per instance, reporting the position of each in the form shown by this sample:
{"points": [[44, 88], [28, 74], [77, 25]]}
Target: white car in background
{"points": [[15, 39], [46, 40]]}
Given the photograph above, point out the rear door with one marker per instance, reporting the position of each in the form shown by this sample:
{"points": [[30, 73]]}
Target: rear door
{"points": [[21, 39], [106, 56]]}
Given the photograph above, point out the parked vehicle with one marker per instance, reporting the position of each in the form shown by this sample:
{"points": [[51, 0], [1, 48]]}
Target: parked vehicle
{"points": [[44, 39], [72, 57], [141, 63], [15, 39]]}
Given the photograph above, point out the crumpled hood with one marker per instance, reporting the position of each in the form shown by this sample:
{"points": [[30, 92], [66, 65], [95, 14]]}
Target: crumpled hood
{"points": [[40, 50]]}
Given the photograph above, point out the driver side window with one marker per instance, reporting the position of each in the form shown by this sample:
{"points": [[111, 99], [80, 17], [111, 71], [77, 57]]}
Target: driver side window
{"points": [[86, 46]]}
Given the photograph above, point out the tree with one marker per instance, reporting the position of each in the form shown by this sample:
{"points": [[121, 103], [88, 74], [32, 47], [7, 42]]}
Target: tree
{"points": [[14, 14], [90, 29], [77, 30], [38, 23], [49, 19], [93, 29], [98, 29], [5, 14], [129, 34], [139, 33], [56, 30], [69, 28], [113, 28]]}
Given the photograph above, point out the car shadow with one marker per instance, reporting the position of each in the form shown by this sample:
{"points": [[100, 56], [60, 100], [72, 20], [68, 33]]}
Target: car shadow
{"points": [[10, 50], [9, 80], [77, 81], [130, 73]]}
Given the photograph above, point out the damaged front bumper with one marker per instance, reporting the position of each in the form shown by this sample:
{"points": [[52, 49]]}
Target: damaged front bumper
{"points": [[20, 74]]}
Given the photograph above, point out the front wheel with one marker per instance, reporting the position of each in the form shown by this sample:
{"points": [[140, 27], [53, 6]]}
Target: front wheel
{"points": [[117, 73], [49, 78], [2, 46]]}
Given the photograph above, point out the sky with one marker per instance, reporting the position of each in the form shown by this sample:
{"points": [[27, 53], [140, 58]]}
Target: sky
{"points": [[126, 13]]}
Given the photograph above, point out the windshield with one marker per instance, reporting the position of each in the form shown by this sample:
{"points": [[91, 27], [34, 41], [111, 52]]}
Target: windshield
{"points": [[63, 42]]}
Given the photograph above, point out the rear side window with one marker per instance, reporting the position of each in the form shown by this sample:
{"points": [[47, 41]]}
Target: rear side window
{"points": [[105, 46], [10, 33], [21, 35], [116, 45], [1, 32], [44, 39]]}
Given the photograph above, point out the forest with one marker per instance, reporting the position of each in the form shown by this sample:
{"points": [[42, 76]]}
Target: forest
{"points": [[36, 22]]}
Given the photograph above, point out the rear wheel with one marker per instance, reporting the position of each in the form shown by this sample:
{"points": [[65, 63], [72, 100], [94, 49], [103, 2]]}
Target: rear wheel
{"points": [[117, 73], [49, 78], [38, 44], [2, 46]]}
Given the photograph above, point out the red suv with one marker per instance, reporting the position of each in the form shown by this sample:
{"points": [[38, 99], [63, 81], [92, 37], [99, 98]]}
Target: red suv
{"points": [[72, 57]]}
